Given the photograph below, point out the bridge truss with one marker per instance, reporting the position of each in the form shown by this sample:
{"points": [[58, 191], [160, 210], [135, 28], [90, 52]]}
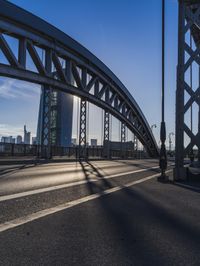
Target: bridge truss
{"points": [[188, 84], [79, 73]]}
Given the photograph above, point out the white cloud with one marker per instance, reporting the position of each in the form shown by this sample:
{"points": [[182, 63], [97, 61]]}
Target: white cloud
{"points": [[15, 89], [8, 130]]}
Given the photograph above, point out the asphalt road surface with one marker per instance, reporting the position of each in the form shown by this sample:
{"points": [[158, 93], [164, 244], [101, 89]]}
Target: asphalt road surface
{"points": [[96, 213]]}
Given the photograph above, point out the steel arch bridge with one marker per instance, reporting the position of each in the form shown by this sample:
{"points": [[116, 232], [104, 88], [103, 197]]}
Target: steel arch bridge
{"points": [[83, 74]]}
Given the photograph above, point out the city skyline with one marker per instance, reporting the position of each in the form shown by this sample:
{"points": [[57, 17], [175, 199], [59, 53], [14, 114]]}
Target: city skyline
{"points": [[27, 138]]}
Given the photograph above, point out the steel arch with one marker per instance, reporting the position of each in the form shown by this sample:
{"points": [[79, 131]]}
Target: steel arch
{"points": [[84, 75]]}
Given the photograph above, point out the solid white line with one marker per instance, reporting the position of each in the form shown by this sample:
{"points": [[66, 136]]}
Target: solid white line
{"points": [[47, 189], [40, 214]]}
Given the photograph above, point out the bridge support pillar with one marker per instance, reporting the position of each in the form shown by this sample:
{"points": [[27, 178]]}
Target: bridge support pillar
{"points": [[46, 124], [46, 111], [123, 140], [83, 130], [188, 19], [135, 146], [135, 142], [106, 136]]}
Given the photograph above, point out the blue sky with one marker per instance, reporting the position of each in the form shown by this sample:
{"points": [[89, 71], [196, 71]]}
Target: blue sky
{"points": [[125, 35]]}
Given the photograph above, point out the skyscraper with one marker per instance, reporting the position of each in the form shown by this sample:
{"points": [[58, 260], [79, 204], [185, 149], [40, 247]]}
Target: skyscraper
{"points": [[27, 136], [61, 118]]}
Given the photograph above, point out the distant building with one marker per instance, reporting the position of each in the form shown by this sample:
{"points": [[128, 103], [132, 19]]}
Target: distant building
{"points": [[19, 139], [12, 140], [93, 142], [74, 142], [2, 148], [27, 136], [62, 114], [4, 139], [117, 145], [34, 140], [9, 139]]}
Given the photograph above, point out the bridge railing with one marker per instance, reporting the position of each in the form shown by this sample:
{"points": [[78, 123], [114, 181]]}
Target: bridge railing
{"points": [[26, 150]]}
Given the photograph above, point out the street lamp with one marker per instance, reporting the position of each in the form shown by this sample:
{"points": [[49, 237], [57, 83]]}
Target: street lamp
{"points": [[170, 140], [163, 155]]}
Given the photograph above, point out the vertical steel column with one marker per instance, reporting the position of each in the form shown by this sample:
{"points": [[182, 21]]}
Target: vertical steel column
{"points": [[135, 142], [106, 135], [188, 21], [198, 142], [179, 152], [123, 132], [46, 124], [83, 129], [123, 140], [106, 126], [46, 112]]}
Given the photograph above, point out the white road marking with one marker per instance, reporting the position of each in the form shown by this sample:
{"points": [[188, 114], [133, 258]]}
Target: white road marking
{"points": [[47, 189], [40, 214]]}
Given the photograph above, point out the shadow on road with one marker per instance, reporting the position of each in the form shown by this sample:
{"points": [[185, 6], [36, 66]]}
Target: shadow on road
{"points": [[17, 168], [141, 223], [92, 173], [142, 166]]}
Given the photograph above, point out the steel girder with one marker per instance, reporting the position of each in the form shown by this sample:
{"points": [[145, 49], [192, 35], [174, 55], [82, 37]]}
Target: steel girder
{"points": [[46, 106], [106, 134], [83, 129], [84, 75], [123, 140], [123, 133], [188, 53], [46, 124], [135, 141]]}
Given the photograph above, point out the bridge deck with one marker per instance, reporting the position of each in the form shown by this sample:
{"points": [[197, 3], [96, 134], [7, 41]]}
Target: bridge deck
{"points": [[118, 215]]}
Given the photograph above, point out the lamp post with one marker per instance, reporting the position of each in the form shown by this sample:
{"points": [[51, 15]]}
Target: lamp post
{"points": [[163, 155]]}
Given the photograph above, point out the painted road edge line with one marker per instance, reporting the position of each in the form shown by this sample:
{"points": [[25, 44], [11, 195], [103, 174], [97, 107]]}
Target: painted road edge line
{"points": [[72, 184], [40, 214]]}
